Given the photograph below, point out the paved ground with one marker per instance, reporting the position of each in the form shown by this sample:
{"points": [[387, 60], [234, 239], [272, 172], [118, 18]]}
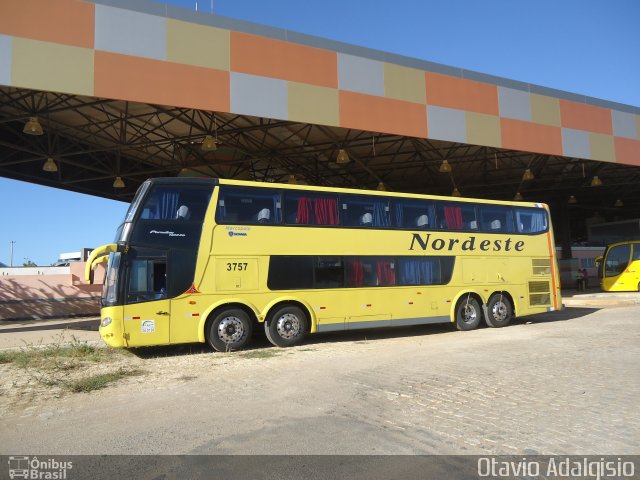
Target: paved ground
{"points": [[561, 383]]}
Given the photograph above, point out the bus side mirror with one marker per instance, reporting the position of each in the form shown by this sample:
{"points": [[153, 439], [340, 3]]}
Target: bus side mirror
{"points": [[597, 261]]}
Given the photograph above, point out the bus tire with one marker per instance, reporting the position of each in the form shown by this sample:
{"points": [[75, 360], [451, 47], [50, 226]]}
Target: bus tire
{"points": [[230, 330], [468, 313], [499, 311], [287, 326]]}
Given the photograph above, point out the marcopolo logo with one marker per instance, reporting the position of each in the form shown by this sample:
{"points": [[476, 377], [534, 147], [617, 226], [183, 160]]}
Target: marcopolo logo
{"points": [[169, 233], [38, 469], [470, 244], [237, 231]]}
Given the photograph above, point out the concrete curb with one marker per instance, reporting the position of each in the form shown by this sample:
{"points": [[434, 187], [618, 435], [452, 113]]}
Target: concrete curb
{"points": [[600, 299]]}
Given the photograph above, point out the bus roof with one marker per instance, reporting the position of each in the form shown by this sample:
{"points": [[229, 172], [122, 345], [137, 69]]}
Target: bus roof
{"points": [[287, 186]]}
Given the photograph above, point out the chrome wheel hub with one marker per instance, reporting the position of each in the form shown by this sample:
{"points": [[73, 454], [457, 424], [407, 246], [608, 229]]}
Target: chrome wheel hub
{"points": [[499, 311], [469, 314], [230, 330], [288, 326]]}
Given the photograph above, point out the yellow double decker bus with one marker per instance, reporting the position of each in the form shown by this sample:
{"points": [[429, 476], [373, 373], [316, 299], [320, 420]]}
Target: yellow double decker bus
{"points": [[207, 260]]}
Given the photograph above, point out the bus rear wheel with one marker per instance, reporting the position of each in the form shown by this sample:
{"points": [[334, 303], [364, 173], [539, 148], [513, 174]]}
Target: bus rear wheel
{"points": [[500, 311], [230, 330], [287, 326], [468, 313]]}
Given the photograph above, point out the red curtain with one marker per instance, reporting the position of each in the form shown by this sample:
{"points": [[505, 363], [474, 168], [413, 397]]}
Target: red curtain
{"points": [[453, 217], [319, 211], [355, 273], [386, 274], [304, 211], [326, 210]]}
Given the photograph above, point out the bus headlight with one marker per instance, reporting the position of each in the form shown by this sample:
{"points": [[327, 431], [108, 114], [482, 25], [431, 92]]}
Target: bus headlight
{"points": [[105, 321]]}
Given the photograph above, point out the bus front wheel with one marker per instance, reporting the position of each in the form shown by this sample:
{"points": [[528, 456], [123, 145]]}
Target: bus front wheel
{"points": [[468, 313], [287, 326], [500, 311], [230, 330]]}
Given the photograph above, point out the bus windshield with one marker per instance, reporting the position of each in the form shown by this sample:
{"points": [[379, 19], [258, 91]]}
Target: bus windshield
{"points": [[617, 260], [619, 268], [110, 290]]}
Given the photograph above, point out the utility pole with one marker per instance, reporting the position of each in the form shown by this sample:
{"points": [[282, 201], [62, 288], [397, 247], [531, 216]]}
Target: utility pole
{"points": [[11, 243]]}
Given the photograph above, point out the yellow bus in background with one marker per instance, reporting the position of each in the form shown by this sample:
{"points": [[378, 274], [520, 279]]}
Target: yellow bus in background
{"points": [[208, 260], [619, 267]]}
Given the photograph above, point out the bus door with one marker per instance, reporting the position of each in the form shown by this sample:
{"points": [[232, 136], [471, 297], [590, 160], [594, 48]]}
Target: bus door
{"points": [[147, 311], [616, 277]]}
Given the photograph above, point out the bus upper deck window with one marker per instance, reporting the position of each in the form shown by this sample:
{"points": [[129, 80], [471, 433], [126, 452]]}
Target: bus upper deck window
{"points": [[305, 208], [496, 219], [531, 220], [414, 214], [365, 211], [170, 202], [248, 206], [457, 216]]}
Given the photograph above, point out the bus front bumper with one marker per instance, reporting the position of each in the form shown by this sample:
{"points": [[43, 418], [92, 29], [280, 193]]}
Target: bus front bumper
{"points": [[111, 327]]}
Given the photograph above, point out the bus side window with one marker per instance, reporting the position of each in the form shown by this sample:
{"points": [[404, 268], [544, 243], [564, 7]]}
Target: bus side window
{"points": [[459, 216], [248, 206], [365, 211], [290, 272], [530, 220], [413, 214], [329, 272], [148, 280], [496, 219], [370, 272], [305, 208], [425, 270]]}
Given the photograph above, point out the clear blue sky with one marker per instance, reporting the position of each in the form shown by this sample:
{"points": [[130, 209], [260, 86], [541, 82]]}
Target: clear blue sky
{"points": [[588, 47]]}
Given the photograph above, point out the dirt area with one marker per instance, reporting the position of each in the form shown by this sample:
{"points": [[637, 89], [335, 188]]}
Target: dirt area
{"points": [[63, 363]]}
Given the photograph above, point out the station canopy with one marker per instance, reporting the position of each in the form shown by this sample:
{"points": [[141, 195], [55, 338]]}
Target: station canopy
{"points": [[186, 94]]}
